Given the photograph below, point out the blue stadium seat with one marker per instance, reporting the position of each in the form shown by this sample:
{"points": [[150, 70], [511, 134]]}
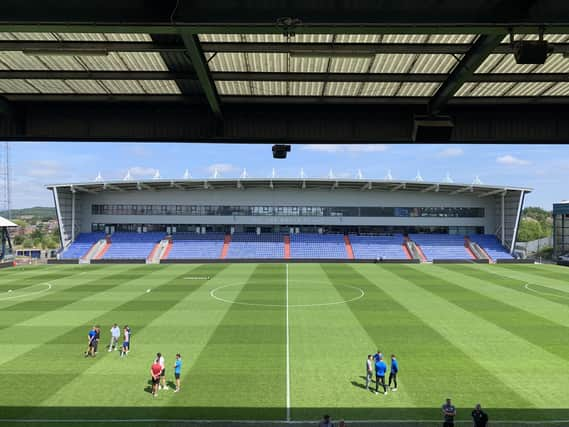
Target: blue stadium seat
{"points": [[132, 245], [491, 245], [196, 246], [308, 245], [373, 247], [441, 246], [83, 242], [251, 245]]}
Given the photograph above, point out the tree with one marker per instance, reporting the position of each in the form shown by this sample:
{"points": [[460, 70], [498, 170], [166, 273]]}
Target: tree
{"points": [[529, 230]]}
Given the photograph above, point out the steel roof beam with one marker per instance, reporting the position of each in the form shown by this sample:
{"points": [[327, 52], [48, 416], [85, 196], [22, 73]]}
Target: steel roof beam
{"points": [[276, 76], [196, 55], [67, 47], [96, 75], [464, 70]]}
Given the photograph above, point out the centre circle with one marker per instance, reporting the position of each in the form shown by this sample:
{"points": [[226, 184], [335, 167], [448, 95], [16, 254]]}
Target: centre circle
{"points": [[217, 293]]}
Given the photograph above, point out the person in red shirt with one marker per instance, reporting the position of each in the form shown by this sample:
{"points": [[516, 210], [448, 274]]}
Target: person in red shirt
{"points": [[155, 371]]}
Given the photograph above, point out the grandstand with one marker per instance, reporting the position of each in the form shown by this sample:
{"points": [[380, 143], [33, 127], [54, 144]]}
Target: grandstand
{"points": [[6, 251], [286, 219]]}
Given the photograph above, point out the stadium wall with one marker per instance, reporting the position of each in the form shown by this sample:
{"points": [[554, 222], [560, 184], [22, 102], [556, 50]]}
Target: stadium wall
{"points": [[261, 197]]}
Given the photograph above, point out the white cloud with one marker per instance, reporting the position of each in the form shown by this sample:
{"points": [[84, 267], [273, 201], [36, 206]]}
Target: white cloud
{"points": [[345, 148], [510, 160], [222, 168], [451, 152], [46, 169], [141, 172]]}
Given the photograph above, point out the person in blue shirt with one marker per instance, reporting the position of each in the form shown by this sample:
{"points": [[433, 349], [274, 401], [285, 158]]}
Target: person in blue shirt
{"points": [[380, 369], [177, 371], [91, 336], [393, 372], [378, 356]]}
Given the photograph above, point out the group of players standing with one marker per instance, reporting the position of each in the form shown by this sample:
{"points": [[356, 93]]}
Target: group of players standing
{"points": [[94, 336], [158, 373], [376, 361]]}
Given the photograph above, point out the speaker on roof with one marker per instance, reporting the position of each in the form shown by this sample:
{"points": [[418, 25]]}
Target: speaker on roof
{"points": [[531, 51], [432, 128]]}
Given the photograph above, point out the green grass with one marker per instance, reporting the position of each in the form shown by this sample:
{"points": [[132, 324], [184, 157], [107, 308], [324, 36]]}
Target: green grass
{"points": [[492, 334]]}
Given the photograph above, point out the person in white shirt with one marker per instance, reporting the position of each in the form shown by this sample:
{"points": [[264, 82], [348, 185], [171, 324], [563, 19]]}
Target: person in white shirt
{"points": [[369, 370], [160, 359], [115, 335]]}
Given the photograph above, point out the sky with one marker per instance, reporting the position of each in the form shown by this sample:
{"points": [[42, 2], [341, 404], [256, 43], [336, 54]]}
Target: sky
{"points": [[544, 168]]}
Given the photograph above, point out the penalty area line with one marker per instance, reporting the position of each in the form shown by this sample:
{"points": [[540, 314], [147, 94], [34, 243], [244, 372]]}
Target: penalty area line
{"points": [[253, 422]]}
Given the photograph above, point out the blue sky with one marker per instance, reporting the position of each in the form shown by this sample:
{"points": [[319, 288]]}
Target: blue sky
{"points": [[545, 168]]}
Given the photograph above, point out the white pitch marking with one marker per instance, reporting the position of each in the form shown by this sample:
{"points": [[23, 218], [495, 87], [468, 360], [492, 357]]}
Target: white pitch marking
{"points": [[252, 422], [213, 292], [287, 353], [197, 278], [527, 286], [28, 293]]}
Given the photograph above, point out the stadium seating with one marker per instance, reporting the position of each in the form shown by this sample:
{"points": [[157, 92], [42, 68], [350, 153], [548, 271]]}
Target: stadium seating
{"points": [[441, 246], [132, 245], [373, 247], [307, 245], [83, 242], [491, 245], [197, 246], [251, 245]]}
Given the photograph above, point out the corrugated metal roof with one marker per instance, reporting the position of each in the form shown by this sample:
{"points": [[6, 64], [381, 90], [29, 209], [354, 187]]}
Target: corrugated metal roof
{"points": [[269, 88], [358, 38], [553, 38], [55, 86], [431, 63], [308, 65], [350, 65], [76, 37], [379, 89], [418, 89], [123, 86], [267, 62], [484, 89], [340, 38], [529, 89], [559, 89], [226, 61], [306, 88], [87, 86], [16, 86], [342, 88], [51, 86], [233, 87], [506, 63], [392, 63], [19, 61], [114, 61], [160, 87]]}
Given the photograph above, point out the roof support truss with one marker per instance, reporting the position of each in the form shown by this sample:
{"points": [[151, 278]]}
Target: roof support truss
{"points": [[195, 52], [464, 70]]}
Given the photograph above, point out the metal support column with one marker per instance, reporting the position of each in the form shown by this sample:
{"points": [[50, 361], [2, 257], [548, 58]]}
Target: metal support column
{"points": [[503, 220]]}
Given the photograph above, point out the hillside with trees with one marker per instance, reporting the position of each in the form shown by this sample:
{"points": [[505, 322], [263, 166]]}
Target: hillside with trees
{"points": [[536, 223]]}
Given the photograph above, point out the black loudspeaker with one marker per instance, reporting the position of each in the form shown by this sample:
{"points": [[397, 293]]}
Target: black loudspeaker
{"points": [[530, 51], [432, 128], [280, 150]]}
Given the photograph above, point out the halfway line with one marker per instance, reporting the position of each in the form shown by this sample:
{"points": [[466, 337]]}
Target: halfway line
{"points": [[287, 353]]}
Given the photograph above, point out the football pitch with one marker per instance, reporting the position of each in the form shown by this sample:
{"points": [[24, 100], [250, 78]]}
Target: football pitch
{"points": [[264, 342]]}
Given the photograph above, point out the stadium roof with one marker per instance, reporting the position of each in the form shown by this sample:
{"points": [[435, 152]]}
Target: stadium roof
{"points": [[211, 70], [6, 223], [286, 183]]}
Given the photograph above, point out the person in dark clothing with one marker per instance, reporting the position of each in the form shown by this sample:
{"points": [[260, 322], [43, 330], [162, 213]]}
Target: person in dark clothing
{"points": [[449, 412], [393, 373], [479, 417]]}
